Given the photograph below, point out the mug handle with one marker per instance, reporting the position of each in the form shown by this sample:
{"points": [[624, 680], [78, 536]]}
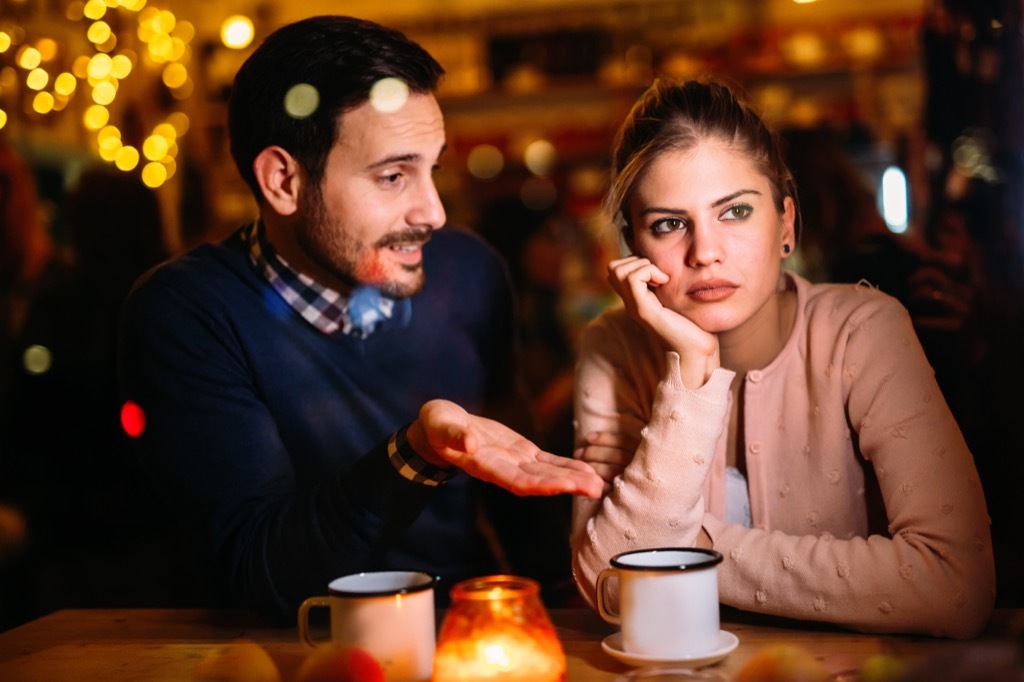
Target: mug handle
{"points": [[602, 603], [304, 608]]}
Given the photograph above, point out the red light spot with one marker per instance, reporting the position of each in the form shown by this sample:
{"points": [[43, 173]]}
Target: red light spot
{"points": [[133, 419]]}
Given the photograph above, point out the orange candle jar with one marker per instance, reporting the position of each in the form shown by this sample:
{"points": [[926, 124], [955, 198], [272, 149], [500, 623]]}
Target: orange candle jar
{"points": [[497, 629]]}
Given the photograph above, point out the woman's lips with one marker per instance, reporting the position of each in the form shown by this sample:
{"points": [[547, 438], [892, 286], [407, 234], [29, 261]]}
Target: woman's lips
{"points": [[712, 290]]}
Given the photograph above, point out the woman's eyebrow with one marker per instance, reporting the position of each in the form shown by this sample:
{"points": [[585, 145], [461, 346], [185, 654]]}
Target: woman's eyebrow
{"points": [[734, 195]]}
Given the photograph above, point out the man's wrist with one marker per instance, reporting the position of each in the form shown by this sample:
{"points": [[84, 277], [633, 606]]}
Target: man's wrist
{"points": [[408, 462], [417, 438]]}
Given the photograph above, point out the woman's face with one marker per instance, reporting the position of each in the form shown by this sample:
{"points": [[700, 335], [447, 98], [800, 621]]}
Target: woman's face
{"points": [[707, 219]]}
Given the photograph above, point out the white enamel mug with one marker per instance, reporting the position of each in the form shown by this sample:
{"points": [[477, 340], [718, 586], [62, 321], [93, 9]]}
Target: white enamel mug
{"points": [[668, 601], [390, 614]]}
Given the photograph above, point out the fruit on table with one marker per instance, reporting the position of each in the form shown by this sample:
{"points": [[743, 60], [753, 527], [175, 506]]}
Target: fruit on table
{"points": [[340, 664], [239, 661], [782, 663], [881, 668]]}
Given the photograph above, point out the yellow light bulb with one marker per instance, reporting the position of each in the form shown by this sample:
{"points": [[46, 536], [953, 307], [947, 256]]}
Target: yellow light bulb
{"points": [[155, 147], [100, 66], [29, 57], [174, 75], [154, 174], [120, 66], [37, 79], [95, 117], [104, 93], [42, 103], [127, 158], [65, 84], [94, 9], [237, 32]]}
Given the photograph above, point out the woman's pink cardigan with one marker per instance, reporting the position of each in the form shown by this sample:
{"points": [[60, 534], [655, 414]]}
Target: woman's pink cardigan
{"points": [[867, 507]]}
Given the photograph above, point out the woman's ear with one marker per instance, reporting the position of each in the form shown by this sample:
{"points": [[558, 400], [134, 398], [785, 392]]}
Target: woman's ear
{"points": [[277, 173], [788, 227]]}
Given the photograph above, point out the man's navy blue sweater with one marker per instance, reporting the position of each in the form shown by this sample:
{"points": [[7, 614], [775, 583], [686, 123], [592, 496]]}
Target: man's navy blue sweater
{"points": [[266, 436]]}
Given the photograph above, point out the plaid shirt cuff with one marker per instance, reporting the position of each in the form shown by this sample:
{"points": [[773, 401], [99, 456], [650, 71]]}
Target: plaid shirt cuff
{"points": [[412, 466]]}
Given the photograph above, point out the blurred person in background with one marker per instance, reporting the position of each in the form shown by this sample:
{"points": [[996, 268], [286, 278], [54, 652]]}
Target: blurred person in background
{"points": [[90, 515]]}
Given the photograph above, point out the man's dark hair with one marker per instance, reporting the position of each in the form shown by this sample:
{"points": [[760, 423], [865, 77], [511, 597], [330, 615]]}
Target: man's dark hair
{"points": [[341, 58]]}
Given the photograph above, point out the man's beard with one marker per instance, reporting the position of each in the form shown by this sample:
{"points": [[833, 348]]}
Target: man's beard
{"points": [[334, 250]]}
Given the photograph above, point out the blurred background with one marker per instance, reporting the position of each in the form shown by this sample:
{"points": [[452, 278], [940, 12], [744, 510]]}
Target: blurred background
{"points": [[904, 126]]}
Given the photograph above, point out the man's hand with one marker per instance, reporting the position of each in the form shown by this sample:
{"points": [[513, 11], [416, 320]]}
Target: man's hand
{"points": [[446, 435]]}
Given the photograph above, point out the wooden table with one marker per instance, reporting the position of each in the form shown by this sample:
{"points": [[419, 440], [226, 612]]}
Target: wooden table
{"points": [[167, 644]]}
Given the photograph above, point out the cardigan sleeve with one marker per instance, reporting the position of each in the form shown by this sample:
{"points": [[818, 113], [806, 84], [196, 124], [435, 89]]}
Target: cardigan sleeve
{"points": [[932, 571], [658, 500], [215, 455]]}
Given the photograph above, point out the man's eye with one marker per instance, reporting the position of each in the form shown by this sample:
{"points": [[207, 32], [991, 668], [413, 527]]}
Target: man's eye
{"points": [[392, 178]]}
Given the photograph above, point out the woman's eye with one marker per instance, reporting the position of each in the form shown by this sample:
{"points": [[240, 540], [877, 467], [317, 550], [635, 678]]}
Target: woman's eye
{"points": [[668, 225], [737, 212]]}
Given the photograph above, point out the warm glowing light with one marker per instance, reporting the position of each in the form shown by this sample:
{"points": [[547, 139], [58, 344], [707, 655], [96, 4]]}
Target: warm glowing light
{"points": [[5, 41], [540, 157], [127, 158], [154, 147], [108, 133], [805, 49], [170, 167], [100, 66], [160, 48], [75, 10], [47, 49], [104, 93], [3, 118], [301, 100], [98, 33], [95, 117], [133, 5], [803, 2], [178, 123], [37, 79], [59, 101], [29, 57], [94, 9], [80, 67], [133, 419], [120, 66], [485, 161], [65, 84], [108, 45], [37, 359], [169, 128], [42, 103], [185, 31], [184, 91], [108, 151], [154, 174], [237, 32], [174, 75], [894, 200], [178, 49], [165, 21], [500, 633], [389, 94]]}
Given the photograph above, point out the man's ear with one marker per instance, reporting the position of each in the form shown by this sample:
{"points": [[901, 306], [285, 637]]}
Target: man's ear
{"points": [[280, 179]]}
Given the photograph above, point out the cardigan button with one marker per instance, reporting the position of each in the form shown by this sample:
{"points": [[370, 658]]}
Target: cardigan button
{"points": [[754, 448], [754, 375]]}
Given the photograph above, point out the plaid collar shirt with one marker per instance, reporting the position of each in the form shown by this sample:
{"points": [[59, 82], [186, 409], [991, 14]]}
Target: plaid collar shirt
{"points": [[323, 307]]}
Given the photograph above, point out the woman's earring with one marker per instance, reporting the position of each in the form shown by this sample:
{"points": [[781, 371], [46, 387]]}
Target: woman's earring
{"points": [[785, 248]]}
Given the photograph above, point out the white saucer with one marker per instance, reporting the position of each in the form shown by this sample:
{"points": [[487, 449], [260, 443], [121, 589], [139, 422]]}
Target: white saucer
{"points": [[612, 644]]}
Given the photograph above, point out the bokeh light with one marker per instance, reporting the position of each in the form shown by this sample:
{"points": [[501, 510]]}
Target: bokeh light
{"points": [[37, 359], [485, 161], [154, 174], [389, 95], [237, 32], [127, 158], [301, 100], [540, 157], [133, 419]]}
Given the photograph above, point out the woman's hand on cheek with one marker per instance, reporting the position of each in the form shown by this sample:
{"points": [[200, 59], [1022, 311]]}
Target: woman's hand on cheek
{"points": [[635, 280]]}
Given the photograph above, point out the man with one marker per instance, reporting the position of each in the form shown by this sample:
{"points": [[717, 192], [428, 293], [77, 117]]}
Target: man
{"points": [[311, 384]]}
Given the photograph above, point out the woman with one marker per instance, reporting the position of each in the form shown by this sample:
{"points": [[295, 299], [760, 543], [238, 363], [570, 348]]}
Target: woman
{"points": [[795, 428]]}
